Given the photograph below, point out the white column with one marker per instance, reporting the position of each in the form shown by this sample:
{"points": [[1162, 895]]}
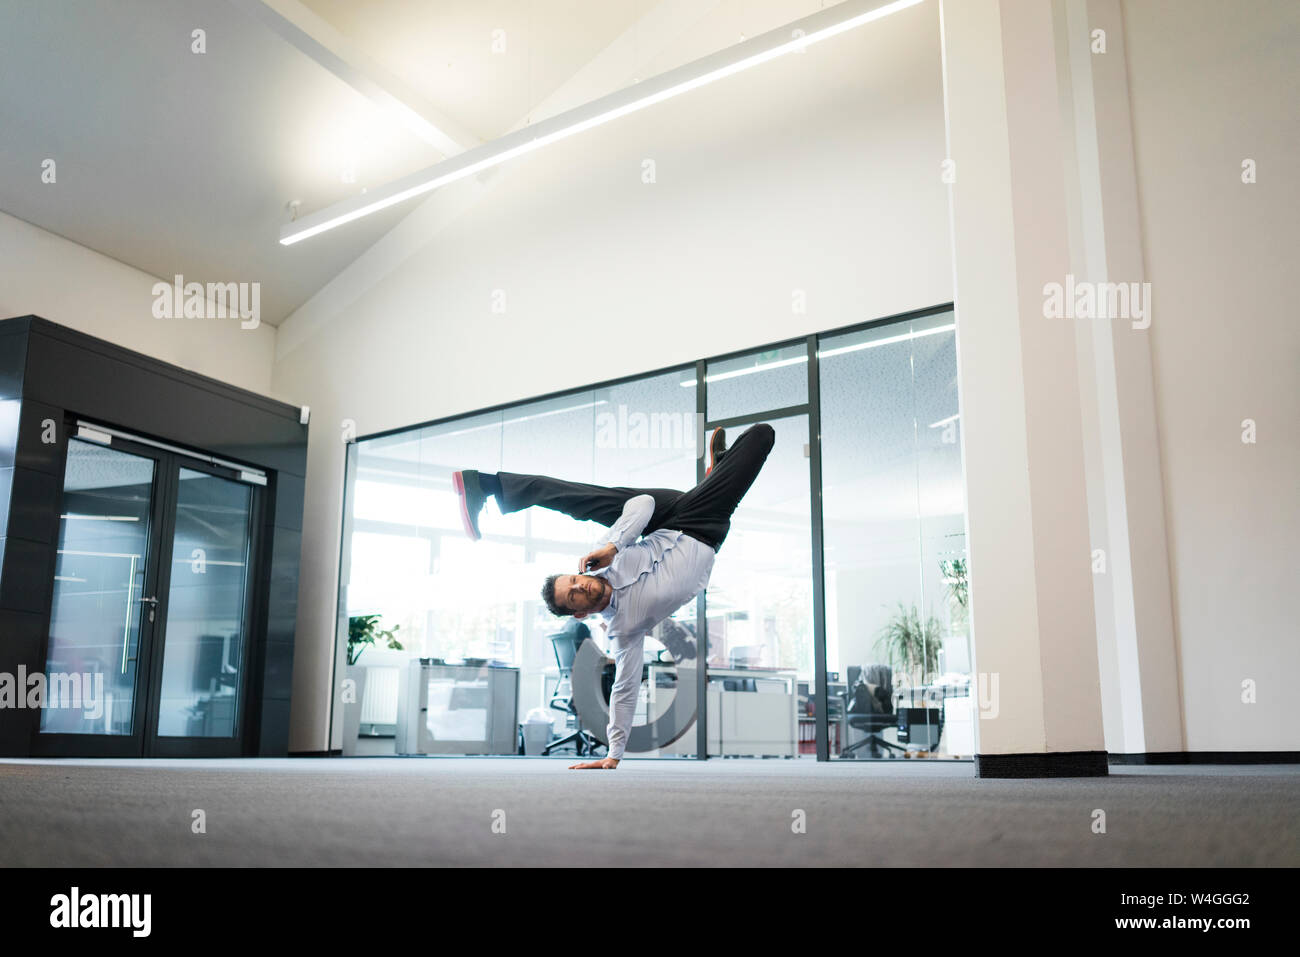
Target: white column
{"points": [[1134, 606], [1028, 533]]}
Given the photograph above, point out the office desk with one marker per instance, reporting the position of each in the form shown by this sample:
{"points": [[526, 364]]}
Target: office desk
{"points": [[751, 723], [958, 713], [546, 677], [457, 709]]}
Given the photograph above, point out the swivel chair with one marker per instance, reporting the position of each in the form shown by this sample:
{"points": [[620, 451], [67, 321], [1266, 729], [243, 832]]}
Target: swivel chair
{"points": [[565, 644], [870, 707]]}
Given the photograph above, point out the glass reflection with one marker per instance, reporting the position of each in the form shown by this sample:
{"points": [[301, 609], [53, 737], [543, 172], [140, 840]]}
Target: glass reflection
{"points": [[99, 600], [757, 382], [898, 649], [760, 608], [204, 645], [471, 611]]}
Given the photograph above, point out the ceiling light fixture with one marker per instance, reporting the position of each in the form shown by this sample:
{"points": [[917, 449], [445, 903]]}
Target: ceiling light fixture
{"points": [[822, 354], [768, 46]]}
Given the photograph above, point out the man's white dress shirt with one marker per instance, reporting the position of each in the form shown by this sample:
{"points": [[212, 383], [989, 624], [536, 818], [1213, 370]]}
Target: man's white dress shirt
{"points": [[651, 578]]}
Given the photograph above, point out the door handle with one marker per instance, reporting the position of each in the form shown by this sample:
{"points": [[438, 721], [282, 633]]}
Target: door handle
{"points": [[126, 627], [151, 602]]}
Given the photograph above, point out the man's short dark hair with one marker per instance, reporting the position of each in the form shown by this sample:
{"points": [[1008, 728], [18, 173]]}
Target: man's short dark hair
{"points": [[548, 596]]}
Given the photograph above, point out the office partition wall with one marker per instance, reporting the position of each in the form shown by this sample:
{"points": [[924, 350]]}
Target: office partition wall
{"points": [[452, 599], [843, 566], [895, 540]]}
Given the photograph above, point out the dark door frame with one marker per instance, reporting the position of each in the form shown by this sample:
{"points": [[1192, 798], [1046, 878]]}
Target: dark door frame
{"points": [[144, 741], [810, 409], [177, 746], [57, 744]]}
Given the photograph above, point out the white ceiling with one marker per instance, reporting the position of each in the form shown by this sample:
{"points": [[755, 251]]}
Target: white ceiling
{"points": [[445, 50], [176, 162]]}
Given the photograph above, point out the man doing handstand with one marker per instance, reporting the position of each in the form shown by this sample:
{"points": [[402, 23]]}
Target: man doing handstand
{"points": [[633, 584]]}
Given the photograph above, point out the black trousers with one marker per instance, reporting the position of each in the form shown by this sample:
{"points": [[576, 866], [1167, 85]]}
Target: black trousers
{"points": [[704, 512]]}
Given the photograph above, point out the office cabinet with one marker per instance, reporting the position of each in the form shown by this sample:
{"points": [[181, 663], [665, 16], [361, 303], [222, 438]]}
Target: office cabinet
{"points": [[457, 709]]}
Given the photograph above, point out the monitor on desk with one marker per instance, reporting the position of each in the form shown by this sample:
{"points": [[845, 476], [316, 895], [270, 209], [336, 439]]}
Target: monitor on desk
{"points": [[212, 668], [834, 699], [745, 656]]}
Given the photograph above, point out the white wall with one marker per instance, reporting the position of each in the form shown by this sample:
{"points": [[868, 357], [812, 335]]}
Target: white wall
{"points": [[819, 171], [1212, 84], [48, 276]]}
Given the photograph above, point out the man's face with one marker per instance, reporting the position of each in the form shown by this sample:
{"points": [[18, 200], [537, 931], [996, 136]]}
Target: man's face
{"points": [[579, 593]]}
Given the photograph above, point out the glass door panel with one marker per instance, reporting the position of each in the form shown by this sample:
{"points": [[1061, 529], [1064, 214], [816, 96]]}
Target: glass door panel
{"points": [[102, 604], [151, 604], [204, 651], [897, 635], [760, 609]]}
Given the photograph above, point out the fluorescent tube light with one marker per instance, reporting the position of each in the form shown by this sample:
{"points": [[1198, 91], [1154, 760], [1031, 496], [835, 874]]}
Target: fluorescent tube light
{"points": [[793, 36], [822, 354], [493, 425], [100, 518], [524, 418], [889, 340]]}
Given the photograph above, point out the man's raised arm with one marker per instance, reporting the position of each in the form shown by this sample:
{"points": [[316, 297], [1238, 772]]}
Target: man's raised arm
{"points": [[636, 516]]}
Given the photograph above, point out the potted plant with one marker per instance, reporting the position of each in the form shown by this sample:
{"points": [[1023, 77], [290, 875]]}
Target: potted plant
{"points": [[363, 631], [954, 574], [914, 644], [911, 646]]}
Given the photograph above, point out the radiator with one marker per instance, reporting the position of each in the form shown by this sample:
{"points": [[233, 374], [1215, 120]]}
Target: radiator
{"points": [[379, 704]]}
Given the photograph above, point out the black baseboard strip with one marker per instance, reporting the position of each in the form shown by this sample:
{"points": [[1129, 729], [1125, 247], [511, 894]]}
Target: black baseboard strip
{"points": [[1062, 764], [1207, 757], [1050, 764]]}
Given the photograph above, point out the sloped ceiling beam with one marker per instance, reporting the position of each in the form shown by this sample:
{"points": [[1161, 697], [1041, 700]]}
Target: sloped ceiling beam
{"points": [[315, 37]]}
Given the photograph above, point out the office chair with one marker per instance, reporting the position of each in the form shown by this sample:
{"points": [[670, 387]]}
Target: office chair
{"points": [[566, 644], [871, 712]]}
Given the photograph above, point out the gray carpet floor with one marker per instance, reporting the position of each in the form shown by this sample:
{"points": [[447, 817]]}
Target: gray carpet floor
{"points": [[536, 812]]}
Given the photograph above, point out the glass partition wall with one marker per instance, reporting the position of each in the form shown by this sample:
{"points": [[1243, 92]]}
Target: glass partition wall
{"points": [[894, 519], [851, 540]]}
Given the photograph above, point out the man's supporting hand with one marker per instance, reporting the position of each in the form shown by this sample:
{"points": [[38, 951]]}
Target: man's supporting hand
{"points": [[603, 763], [600, 558]]}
